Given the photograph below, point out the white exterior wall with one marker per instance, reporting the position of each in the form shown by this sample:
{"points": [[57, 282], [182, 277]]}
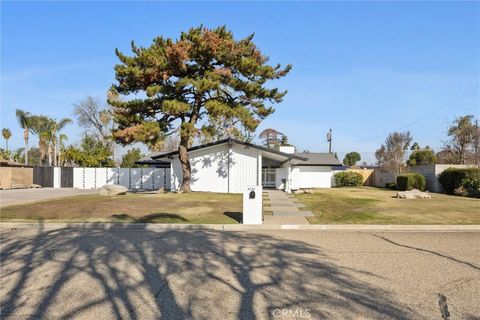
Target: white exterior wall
{"points": [[221, 168], [209, 170], [295, 178], [245, 168], [310, 177]]}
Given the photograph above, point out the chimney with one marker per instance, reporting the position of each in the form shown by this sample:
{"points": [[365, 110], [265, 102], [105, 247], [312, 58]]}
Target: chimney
{"points": [[287, 149]]}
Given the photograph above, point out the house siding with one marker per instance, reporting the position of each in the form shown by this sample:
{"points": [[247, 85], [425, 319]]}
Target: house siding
{"points": [[221, 168], [313, 177], [209, 170], [244, 168]]}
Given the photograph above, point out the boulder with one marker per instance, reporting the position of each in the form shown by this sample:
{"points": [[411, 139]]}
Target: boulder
{"points": [[413, 194], [112, 190], [35, 186], [304, 190]]}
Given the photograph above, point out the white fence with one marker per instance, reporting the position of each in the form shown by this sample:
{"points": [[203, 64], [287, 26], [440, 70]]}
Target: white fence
{"points": [[132, 178]]}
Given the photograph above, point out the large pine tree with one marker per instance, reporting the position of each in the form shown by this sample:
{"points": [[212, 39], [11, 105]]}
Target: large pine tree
{"points": [[182, 85]]}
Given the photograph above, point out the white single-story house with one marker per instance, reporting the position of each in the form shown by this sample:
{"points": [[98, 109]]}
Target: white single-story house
{"points": [[231, 165]]}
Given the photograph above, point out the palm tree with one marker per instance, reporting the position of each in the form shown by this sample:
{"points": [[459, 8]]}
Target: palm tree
{"points": [[57, 126], [24, 119], [49, 137], [41, 126], [7, 134], [61, 138], [17, 154]]}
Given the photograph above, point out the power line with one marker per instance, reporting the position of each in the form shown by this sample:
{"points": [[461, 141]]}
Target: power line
{"points": [[418, 119], [426, 115]]}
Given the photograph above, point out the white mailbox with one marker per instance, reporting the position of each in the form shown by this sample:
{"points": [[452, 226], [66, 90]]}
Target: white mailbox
{"points": [[252, 205]]}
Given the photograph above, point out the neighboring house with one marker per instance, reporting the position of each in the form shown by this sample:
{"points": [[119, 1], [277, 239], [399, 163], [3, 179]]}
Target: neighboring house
{"points": [[231, 165], [152, 163]]}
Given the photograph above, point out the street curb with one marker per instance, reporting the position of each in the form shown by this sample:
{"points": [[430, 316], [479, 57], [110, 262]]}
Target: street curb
{"points": [[236, 227]]}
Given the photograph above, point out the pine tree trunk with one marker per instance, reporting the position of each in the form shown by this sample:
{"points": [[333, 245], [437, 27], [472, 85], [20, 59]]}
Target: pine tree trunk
{"points": [[185, 161]]}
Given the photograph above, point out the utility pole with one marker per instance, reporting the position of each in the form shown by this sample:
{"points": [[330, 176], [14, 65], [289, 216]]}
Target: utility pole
{"points": [[329, 139]]}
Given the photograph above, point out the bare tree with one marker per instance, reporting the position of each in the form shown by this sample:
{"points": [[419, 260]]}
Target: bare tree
{"points": [[391, 154], [96, 118]]}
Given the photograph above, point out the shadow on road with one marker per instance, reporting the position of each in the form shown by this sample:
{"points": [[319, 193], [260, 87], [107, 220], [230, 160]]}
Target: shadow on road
{"points": [[176, 274]]}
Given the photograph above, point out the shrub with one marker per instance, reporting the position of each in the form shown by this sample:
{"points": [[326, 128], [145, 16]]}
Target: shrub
{"points": [[348, 179], [411, 181], [391, 185], [461, 181]]}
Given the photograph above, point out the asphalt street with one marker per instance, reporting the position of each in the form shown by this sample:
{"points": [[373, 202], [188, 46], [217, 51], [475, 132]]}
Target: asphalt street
{"points": [[125, 273]]}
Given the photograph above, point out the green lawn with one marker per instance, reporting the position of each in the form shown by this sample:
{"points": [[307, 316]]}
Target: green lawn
{"points": [[366, 205], [195, 207]]}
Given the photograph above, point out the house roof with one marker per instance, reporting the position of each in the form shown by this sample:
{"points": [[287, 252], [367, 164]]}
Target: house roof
{"points": [[149, 160], [231, 140], [299, 159], [317, 159]]}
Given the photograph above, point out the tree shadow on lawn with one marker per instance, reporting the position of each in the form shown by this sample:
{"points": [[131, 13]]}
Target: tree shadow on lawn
{"points": [[130, 273], [237, 216], [152, 217]]}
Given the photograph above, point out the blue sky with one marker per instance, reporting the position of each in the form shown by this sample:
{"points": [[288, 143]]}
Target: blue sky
{"points": [[362, 68]]}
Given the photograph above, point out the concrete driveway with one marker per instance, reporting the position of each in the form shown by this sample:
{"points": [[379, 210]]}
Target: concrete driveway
{"points": [[19, 196], [99, 273]]}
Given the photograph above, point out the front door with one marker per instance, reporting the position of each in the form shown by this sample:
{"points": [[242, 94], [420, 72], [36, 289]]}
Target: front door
{"points": [[269, 178]]}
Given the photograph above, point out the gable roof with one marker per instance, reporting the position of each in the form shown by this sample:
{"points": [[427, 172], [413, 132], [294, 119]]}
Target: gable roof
{"points": [[231, 140], [317, 159]]}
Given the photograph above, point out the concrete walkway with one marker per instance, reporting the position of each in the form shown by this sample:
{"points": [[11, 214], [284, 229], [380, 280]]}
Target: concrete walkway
{"points": [[284, 210]]}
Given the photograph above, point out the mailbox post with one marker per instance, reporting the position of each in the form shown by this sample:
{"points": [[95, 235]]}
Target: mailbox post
{"points": [[252, 205]]}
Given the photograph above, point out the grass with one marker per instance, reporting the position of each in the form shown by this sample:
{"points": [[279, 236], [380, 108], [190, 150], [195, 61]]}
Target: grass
{"points": [[195, 207], [366, 205]]}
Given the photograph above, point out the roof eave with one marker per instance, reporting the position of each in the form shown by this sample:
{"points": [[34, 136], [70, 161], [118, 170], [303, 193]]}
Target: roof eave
{"points": [[231, 140]]}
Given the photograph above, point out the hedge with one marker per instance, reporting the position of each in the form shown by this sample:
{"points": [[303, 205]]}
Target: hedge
{"points": [[461, 181], [348, 179], [411, 181]]}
